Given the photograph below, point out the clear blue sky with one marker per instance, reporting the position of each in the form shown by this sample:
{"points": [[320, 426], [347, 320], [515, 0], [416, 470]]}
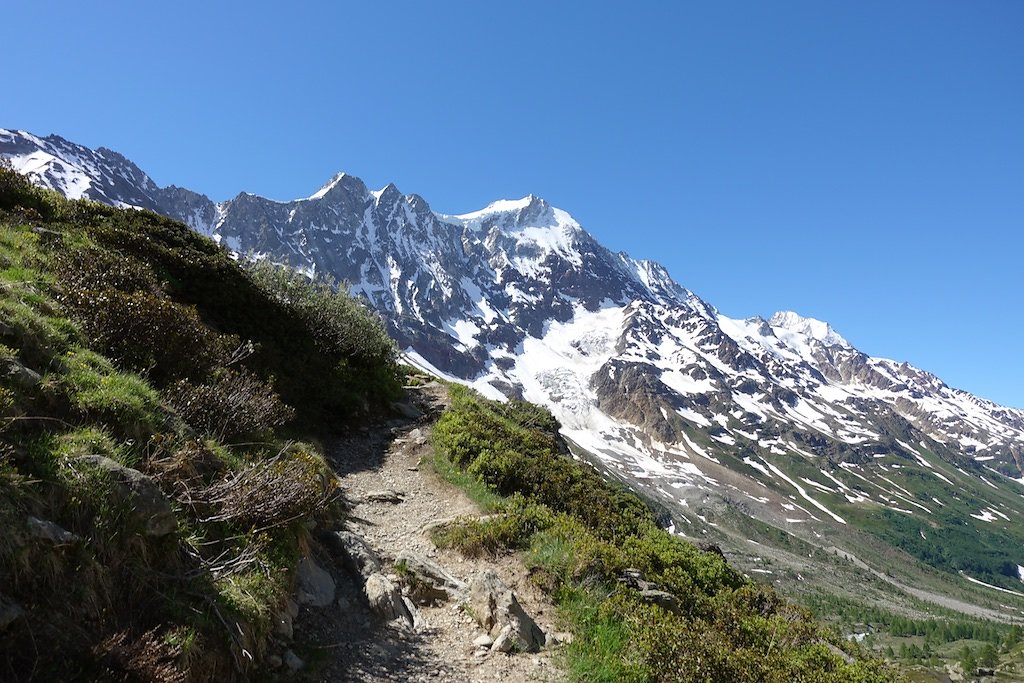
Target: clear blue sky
{"points": [[860, 161]]}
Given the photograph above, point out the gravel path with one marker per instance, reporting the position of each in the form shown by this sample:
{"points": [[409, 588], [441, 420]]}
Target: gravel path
{"points": [[346, 642]]}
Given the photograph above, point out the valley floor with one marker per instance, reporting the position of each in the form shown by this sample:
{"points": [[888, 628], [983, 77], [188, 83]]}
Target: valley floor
{"points": [[395, 494]]}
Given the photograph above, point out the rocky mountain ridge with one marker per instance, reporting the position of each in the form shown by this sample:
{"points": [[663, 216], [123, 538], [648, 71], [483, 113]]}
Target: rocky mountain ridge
{"points": [[781, 418]]}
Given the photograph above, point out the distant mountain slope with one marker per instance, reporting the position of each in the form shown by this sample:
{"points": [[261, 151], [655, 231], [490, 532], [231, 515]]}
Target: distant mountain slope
{"points": [[779, 419]]}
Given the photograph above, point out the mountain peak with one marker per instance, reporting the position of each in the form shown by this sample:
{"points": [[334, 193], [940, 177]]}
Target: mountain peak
{"points": [[504, 206], [328, 186], [388, 193], [811, 327]]}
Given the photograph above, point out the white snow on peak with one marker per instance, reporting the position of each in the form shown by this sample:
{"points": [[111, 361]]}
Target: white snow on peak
{"points": [[816, 329], [500, 206], [328, 186], [72, 181]]}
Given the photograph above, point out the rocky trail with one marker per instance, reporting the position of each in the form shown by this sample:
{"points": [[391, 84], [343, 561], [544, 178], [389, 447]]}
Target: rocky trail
{"points": [[350, 623]]}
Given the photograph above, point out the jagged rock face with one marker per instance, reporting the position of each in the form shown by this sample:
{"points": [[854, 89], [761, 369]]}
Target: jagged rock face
{"points": [[102, 175], [519, 300]]}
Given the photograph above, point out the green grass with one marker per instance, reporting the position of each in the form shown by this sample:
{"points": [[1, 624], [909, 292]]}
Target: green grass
{"points": [[582, 533], [112, 308], [479, 492], [116, 399]]}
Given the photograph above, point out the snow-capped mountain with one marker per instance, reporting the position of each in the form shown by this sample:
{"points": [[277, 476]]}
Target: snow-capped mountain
{"points": [[101, 175], [781, 418]]}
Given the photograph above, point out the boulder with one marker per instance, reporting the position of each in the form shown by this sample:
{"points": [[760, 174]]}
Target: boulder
{"points": [[386, 600], [497, 610], [427, 581], [661, 598], [314, 586], [406, 410], [283, 625], [9, 612], [292, 661], [505, 641], [45, 530], [649, 592], [384, 496], [150, 509], [24, 377], [354, 553]]}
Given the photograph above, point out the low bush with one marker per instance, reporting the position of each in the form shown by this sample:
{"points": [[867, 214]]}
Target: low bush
{"points": [[341, 325], [151, 347], [295, 484], [512, 527], [230, 404], [708, 624], [149, 334]]}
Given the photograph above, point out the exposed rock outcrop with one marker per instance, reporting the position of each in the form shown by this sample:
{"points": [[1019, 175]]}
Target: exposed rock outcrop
{"points": [[386, 601], [314, 585], [427, 581], [496, 609], [140, 494]]}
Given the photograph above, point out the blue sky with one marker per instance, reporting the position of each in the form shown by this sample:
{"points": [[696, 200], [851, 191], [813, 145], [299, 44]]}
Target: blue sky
{"points": [[860, 162]]}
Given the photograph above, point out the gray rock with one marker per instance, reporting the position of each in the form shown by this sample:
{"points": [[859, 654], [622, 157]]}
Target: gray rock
{"points": [[274, 662], [406, 410], [314, 586], [483, 641], [505, 641], [386, 600], [661, 598], [497, 610], [46, 530], [9, 612], [283, 625], [428, 582], [649, 592], [354, 553], [24, 377], [413, 612], [292, 661], [385, 496], [148, 506]]}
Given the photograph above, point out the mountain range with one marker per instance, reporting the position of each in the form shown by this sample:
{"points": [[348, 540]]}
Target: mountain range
{"points": [[772, 437]]}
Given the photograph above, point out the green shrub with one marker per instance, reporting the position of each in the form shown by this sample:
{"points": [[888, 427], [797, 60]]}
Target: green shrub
{"points": [[583, 533], [17, 193], [143, 332], [90, 268], [511, 528], [293, 485], [341, 325], [487, 440], [331, 358], [231, 403]]}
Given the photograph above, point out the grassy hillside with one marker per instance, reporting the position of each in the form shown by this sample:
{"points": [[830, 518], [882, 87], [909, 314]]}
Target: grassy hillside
{"points": [[689, 617], [158, 405]]}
